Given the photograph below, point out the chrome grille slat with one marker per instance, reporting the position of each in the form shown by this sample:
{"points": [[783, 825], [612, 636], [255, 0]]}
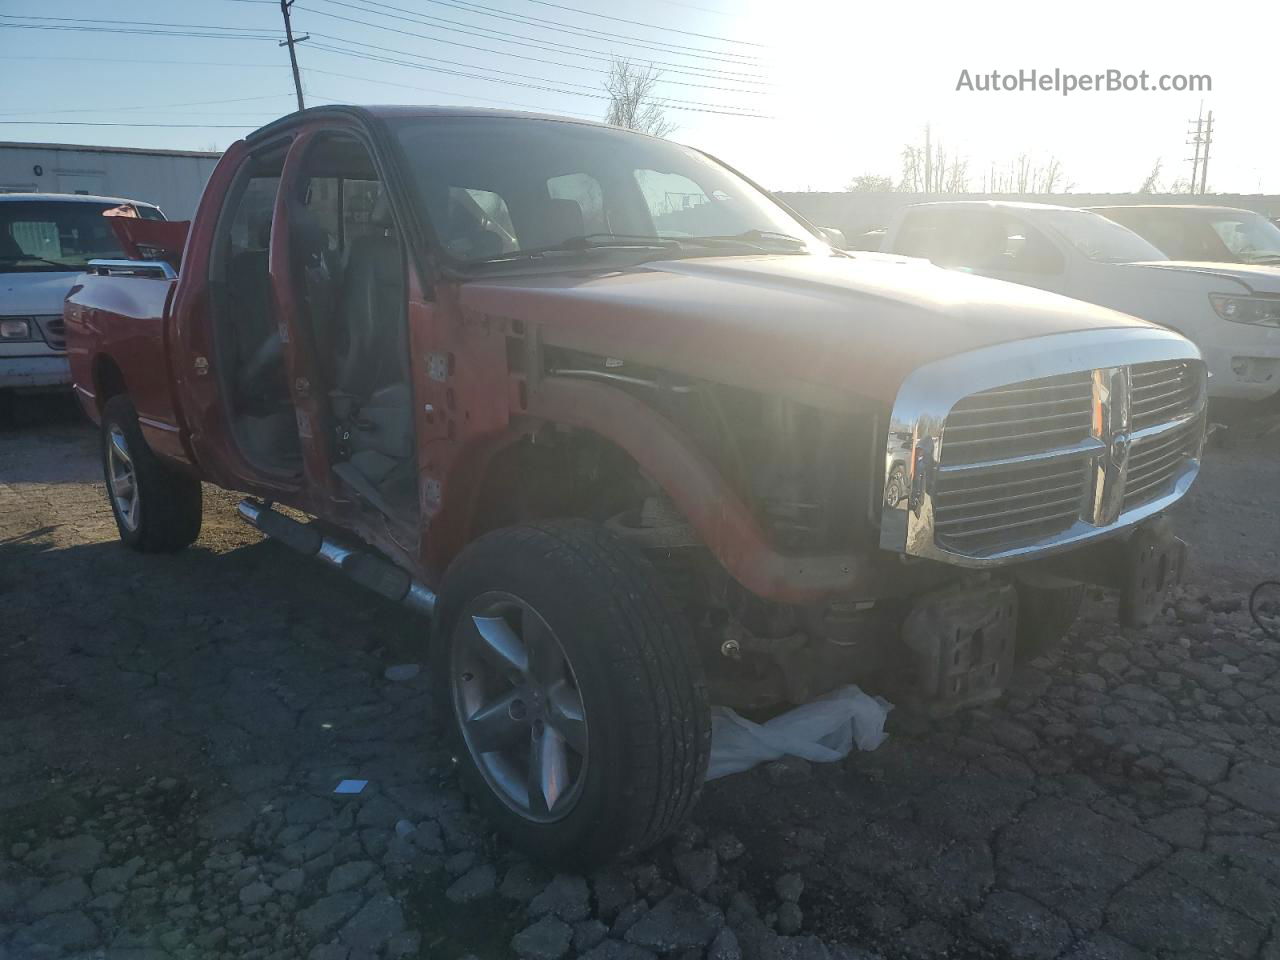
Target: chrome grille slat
{"points": [[1017, 511], [999, 528], [1039, 492], [952, 427], [948, 481], [1021, 436]]}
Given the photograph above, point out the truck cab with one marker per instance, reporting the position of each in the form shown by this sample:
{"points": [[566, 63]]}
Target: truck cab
{"points": [[46, 241], [632, 435]]}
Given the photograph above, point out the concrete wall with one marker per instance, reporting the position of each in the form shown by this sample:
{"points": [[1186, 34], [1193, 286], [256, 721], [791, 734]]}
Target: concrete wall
{"points": [[856, 213], [173, 180]]}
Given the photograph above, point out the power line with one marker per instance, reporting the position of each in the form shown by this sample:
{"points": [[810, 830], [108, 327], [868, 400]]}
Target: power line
{"points": [[673, 104], [542, 23], [151, 106], [146, 23], [524, 76], [446, 93], [638, 23], [136, 62], [112, 123], [487, 33]]}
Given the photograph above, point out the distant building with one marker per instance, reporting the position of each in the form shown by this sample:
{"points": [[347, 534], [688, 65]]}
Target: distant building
{"points": [[171, 179]]}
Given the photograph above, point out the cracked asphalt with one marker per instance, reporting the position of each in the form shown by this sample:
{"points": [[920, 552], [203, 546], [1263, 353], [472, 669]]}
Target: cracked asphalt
{"points": [[172, 730]]}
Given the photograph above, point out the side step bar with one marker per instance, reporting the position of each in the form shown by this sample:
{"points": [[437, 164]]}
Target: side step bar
{"points": [[364, 568]]}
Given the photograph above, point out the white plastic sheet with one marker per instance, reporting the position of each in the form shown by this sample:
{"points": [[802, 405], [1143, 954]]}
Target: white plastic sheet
{"points": [[822, 731]]}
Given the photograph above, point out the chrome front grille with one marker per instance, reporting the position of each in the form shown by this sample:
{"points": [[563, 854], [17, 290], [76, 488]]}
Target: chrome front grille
{"points": [[1025, 465], [1019, 419], [1155, 461], [1162, 392], [1012, 463], [1027, 501]]}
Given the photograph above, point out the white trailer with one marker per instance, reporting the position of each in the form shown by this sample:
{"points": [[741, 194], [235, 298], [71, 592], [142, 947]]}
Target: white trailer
{"points": [[171, 179]]}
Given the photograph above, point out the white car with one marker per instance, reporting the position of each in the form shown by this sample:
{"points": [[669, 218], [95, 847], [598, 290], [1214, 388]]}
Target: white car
{"points": [[1230, 310], [45, 241]]}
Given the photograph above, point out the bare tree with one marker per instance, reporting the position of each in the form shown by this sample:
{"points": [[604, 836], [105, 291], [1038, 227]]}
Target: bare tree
{"points": [[1151, 184], [870, 183], [928, 168], [632, 102], [1024, 174]]}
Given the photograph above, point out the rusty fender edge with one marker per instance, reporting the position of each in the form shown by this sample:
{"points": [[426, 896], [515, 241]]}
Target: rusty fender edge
{"points": [[723, 522]]}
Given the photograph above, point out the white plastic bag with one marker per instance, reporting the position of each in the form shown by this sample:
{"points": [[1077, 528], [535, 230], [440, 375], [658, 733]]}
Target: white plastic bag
{"points": [[822, 731]]}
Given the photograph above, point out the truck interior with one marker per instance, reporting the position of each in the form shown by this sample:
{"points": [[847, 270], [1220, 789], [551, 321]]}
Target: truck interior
{"points": [[348, 272], [349, 275]]}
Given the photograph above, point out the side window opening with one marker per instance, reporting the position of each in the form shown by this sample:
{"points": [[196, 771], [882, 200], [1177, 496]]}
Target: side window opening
{"points": [[348, 272], [246, 337]]}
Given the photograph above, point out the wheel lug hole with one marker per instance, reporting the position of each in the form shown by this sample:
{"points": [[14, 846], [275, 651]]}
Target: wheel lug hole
{"points": [[518, 710]]}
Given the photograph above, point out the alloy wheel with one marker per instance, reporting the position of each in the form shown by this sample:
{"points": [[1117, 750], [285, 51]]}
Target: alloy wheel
{"points": [[121, 478], [518, 706]]}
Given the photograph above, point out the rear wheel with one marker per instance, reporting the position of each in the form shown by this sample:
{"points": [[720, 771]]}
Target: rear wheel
{"points": [[572, 690], [157, 509], [1045, 614]]}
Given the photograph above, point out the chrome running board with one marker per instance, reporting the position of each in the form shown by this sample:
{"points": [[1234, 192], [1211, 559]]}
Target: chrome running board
{"points": [[379, 575]]}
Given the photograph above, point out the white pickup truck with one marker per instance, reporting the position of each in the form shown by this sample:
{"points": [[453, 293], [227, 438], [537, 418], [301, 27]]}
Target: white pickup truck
{"points": [[1230, 310], [46, 239]]}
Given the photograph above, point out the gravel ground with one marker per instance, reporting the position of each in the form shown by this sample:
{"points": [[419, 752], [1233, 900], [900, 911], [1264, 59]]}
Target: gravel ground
{"points": [[172, 729]]}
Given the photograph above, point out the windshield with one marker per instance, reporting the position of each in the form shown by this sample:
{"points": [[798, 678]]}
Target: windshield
{"points": [[1249, 236], [1099, 238], [52, 235], [498, 189]]}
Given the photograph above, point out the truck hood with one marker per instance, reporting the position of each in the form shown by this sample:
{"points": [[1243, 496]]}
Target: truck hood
{"points": [[35, 293], [1253, 278], [816, 328]]}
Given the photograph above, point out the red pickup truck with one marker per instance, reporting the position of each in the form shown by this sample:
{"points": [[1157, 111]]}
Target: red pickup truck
{"points": [[632, 433]]}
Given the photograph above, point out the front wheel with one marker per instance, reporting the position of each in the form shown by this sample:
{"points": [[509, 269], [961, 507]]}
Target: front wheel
{"points": [[572, 690], [157, 509]]}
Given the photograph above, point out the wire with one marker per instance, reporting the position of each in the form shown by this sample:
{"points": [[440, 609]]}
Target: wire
{"points": [[549, 46], [446, 93], [136, 62], [674, 105], [472, 66], [155, 106], [133, 31], [638, 23], [79, 21], [542, 23], [106, 123]]}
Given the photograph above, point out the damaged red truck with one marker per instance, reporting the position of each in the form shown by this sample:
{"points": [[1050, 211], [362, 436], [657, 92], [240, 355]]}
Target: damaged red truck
{"points": [[634, 436]]}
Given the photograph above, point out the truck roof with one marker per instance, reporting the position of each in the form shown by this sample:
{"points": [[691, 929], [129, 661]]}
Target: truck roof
{"points": [[394, 110], [1197, 207], [997, 204], [73, 198]]}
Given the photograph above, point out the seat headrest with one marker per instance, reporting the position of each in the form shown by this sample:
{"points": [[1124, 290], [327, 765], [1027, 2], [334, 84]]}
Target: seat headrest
{"points": [[562, 220]]}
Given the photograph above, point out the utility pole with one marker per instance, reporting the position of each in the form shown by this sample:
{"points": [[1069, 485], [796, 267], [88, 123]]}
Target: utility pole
{"points": [[290, 42], [1204, 164], [1202, 139]]}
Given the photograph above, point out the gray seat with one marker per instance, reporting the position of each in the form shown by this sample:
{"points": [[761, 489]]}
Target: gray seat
{"points": [[371, 396]]}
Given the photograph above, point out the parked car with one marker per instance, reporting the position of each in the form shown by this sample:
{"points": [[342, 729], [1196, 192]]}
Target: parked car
{"points": [[1202, 233], [1230, 310], [46, 240], [636, 438]]}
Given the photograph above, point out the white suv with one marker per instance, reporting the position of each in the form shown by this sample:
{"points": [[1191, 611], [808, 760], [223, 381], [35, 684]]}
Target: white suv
{"points": [[1230, 310]]}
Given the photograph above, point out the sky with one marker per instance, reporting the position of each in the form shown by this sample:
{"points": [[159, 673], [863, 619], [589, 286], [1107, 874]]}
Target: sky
{"points": [[799, 95]]}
